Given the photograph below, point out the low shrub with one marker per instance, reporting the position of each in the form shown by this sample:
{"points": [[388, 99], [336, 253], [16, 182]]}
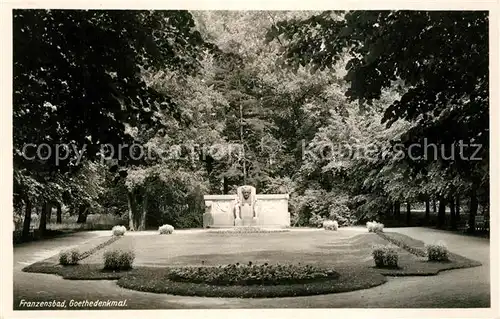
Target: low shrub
{"points": [[166, 229], [437, 252], [118, 260], [316, 220], [385, 256], [69, 257], [374, 227], [251, 274], [119, 230], [330, 225]]}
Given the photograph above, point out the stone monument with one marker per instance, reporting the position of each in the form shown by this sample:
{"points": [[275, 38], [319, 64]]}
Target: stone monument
{"points": [[246, 208]]}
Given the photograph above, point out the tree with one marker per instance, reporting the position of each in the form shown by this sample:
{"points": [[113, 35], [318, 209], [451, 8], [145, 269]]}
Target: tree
{"points": [[444, 92], [79, 84]]}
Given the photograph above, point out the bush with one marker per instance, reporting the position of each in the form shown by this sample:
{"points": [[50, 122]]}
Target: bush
{"points": [[316, 220], [118, 260], [69, 257], [330, 225], [166, 229], [119, 230], [385, 256], [437, 252], [314, 206], [374, 227], [251, 274]]}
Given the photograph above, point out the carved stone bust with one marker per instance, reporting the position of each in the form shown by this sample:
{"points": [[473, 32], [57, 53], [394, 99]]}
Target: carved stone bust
{"points": [[245, 208]]}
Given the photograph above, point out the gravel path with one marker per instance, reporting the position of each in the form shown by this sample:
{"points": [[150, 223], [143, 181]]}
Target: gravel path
{"points": [[463, 288]]}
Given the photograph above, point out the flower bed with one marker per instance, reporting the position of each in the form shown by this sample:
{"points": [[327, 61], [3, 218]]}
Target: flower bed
{"points": [[98, 247], [400, 243], [246, 230], [250, 274]]}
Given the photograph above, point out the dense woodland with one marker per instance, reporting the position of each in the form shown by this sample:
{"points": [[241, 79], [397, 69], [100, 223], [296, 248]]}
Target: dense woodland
{"points": [[283, 85]]}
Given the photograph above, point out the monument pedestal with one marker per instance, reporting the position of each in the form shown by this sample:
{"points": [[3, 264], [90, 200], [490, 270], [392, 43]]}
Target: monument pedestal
{"points": [[272, 212]]}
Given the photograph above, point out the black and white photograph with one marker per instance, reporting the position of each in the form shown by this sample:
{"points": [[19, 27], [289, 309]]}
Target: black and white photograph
{"points": [[249, 159]]}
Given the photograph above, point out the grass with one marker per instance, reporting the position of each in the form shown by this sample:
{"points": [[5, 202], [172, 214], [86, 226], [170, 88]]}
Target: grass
{"points": [[421, 266], [156, 280], [346, 252], [76, 272], [204, 248]]}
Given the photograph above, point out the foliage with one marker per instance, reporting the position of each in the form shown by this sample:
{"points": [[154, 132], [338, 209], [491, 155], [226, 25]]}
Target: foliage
{"points": [[166, 229], [375, 227], [330, 225], [316, 220], [251, 274], [75, 72], [286, 89], [437, 252], [69, 257], [385, 256], [443, 95], [118, 230], [318, 205], [118, 260]]}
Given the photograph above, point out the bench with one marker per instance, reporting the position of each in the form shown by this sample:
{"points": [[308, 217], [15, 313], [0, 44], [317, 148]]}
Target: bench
{"points": [[480, 223]]}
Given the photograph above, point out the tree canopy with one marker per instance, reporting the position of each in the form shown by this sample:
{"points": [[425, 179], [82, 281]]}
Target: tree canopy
{"points": [[325, 106]]}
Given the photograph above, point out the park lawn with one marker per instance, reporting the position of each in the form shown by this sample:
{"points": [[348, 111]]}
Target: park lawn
{"points": [[346, 251], [318, 247]]}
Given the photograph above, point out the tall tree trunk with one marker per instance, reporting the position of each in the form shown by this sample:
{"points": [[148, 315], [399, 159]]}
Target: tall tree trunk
{"points": [[27, 219], [59, 213], [453, 215], [457, 207], [472, 211], [408, 213], [427, 211], [142, 223], [132, 211], [441, 213], [225, 185], [43, 218], [434, 207], [82, 214], [49, 212], [397, 209]]}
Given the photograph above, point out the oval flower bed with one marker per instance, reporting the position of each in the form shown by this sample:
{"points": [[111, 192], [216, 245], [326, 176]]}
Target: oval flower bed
{"points": [[244, 275], [250, 281]]}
